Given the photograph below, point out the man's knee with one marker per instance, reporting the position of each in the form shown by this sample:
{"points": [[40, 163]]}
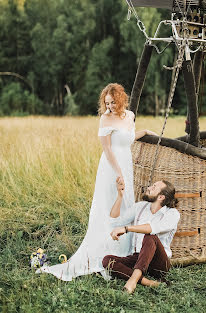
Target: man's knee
{"points": [[107, 260], [149, 239]]}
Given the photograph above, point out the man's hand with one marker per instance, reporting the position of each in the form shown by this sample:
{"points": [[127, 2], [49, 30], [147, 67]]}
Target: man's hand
{"points": [[117, 232], [120, 185]]}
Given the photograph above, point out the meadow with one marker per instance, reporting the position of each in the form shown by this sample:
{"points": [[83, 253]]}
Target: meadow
{"points": [[47, 176]]}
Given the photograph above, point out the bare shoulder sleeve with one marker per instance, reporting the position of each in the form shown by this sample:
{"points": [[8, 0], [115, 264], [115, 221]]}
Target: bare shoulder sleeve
{"points": [[104, 131]]}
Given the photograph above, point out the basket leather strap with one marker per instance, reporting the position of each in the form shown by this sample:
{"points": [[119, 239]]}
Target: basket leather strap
{"points": [[188, 195], [186, 233]]}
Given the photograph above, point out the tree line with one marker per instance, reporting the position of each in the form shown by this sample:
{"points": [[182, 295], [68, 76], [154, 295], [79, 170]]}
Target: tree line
{"points": [[57, 55]]}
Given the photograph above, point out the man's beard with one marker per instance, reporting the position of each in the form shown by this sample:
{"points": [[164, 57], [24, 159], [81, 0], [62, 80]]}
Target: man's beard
{"points": [[148, 198]]}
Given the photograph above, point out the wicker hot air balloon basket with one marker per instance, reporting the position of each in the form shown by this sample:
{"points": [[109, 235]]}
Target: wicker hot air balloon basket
{"points": [[188, 174]]}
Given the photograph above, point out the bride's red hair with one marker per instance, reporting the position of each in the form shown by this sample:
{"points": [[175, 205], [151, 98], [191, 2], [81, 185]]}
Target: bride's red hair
{"points": [[118, 94]]}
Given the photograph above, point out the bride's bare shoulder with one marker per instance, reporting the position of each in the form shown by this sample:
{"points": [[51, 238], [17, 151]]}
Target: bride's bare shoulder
{"points": [[105, 120]]}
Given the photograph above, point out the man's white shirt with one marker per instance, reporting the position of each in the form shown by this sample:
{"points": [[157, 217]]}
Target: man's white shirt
{"points": [[163, 224]]}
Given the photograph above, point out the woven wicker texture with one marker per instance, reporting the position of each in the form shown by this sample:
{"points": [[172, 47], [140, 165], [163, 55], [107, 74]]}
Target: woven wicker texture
{"points": [[188, 174], [203, 142]]}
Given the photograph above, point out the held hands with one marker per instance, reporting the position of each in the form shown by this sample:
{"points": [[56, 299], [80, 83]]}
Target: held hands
{"points": [[117, 232], [120, 185]]}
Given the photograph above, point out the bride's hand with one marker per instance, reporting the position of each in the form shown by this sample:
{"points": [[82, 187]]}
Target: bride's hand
{"points": [[149, 132], [120, 185], [117, 232]]}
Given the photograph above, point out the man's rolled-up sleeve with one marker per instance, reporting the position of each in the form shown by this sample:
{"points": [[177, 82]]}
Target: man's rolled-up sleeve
{"points": [[167, 223], [125, 219]]}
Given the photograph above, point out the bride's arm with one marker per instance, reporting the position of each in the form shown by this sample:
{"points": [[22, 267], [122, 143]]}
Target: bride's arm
{"points": [[106, 145], [141, 133]]}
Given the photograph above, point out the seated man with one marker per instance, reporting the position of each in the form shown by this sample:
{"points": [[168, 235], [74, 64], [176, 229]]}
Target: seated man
{"points": [[154, 225]]}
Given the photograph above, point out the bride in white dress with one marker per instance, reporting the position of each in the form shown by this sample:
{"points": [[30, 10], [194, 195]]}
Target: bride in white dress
{"points": [[117, 133]]}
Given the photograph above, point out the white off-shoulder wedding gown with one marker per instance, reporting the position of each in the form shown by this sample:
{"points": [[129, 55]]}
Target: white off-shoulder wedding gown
{"points": [[97, 242]]}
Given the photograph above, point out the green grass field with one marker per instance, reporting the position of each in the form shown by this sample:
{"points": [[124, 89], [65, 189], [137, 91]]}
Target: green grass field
{"points": [[47, 170]]}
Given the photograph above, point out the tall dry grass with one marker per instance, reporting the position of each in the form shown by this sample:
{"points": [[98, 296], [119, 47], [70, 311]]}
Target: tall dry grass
{"points": [[47, 170], [47, 176]]}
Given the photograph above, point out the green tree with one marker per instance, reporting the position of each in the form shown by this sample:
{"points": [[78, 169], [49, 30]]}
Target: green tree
{"points": [[84, 45], [15, 100], [98, 74]]}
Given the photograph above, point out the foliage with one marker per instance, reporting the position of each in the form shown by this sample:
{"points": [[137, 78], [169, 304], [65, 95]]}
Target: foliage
{"points": [[98, 74], [17, 101], [84, 44], [71, 107]]}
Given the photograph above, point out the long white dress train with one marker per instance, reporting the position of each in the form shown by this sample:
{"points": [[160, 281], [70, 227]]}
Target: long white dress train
{"points": [[97, 242]]}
